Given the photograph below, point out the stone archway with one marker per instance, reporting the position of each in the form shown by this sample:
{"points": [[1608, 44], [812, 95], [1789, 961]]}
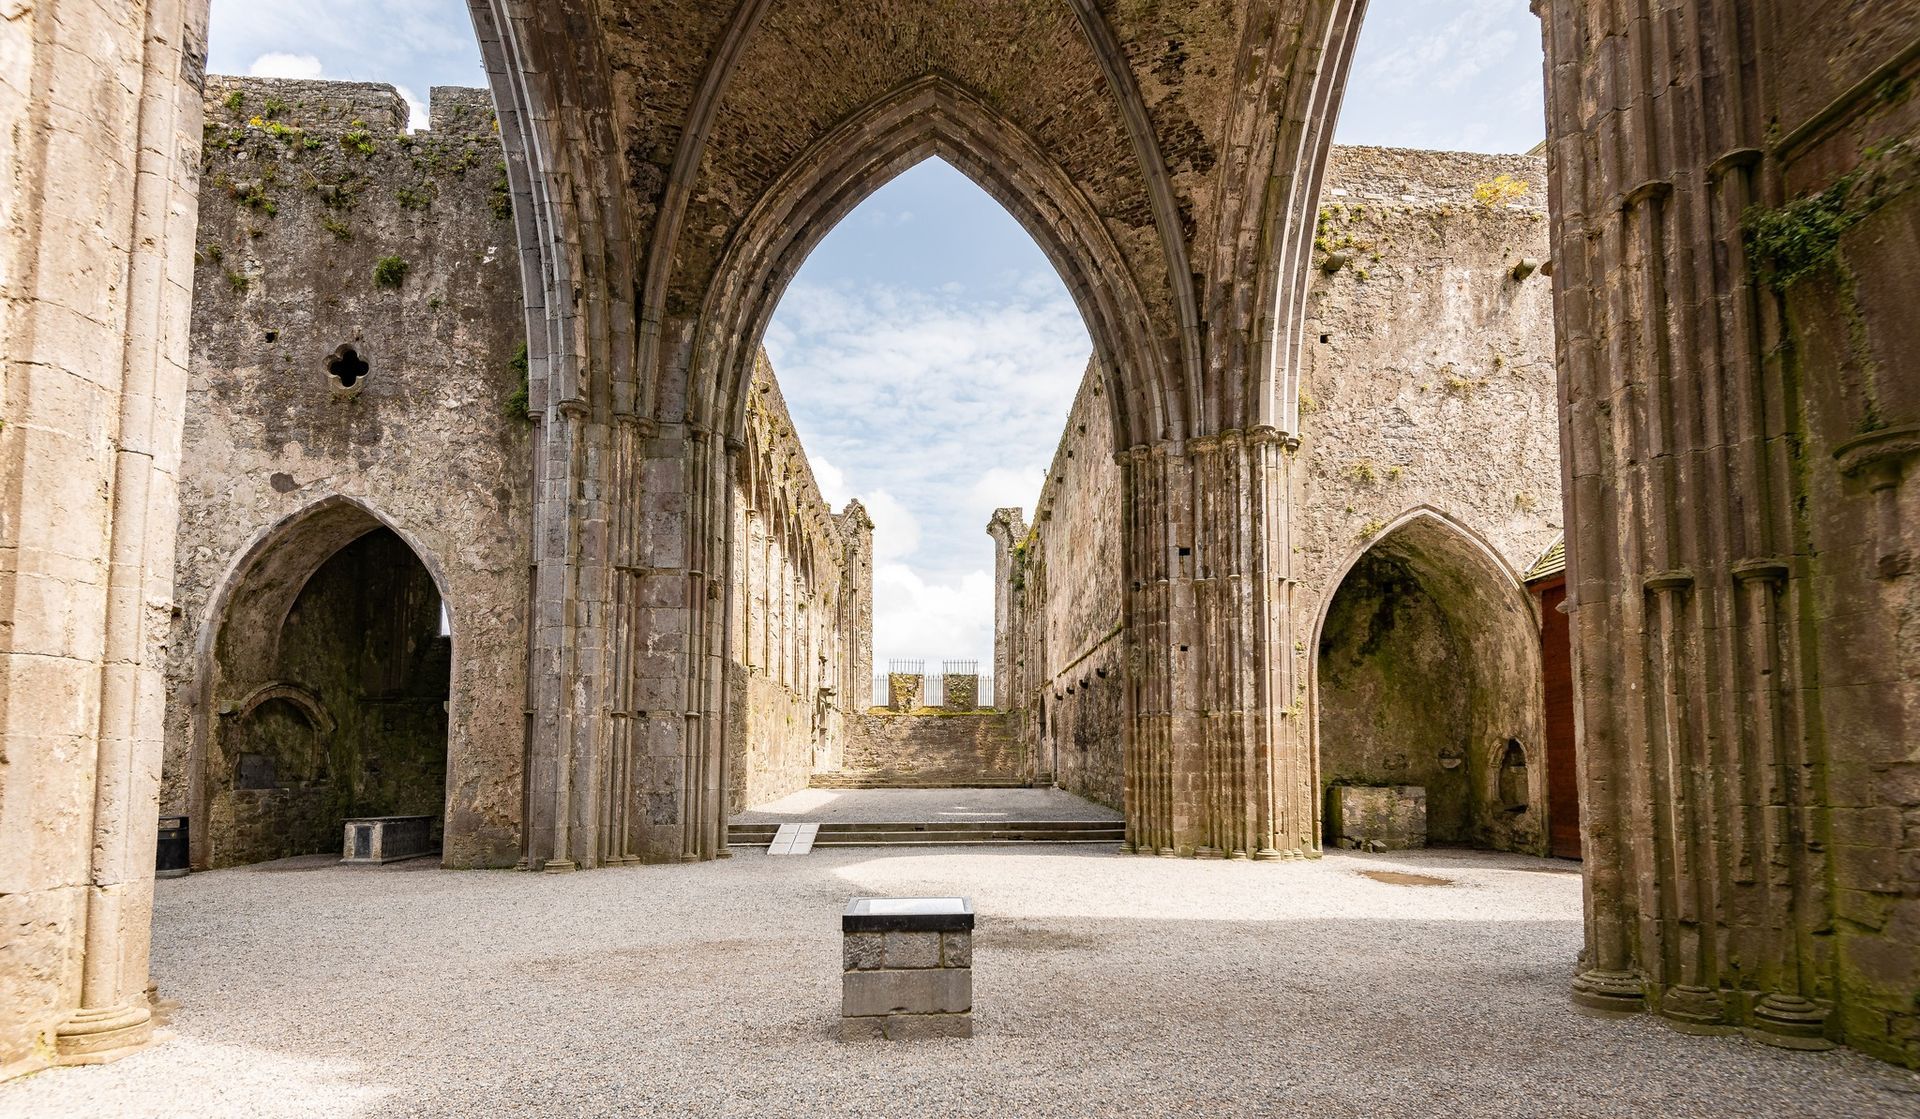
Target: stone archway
{"points": [[1427, 676], [322, 689]]}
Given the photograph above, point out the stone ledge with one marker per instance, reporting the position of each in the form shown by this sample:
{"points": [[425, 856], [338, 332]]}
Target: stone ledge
{"points": [[870, 915]]}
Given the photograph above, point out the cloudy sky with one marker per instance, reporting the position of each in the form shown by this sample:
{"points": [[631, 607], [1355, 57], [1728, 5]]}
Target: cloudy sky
{"points": [[927, 349]]}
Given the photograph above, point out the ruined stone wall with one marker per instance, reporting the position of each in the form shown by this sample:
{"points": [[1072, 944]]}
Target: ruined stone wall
{"points": [[1428, 397], [1063, 585], [1429, 392], [802, 625], [934, 747], [1737, 241], [327, 228]]}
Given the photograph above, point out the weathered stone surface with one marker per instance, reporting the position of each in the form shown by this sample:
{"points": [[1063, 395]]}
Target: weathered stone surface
{"points": [[940, 990], [912, 949], [864, 951], [307, 188], [932, 746], [99, 115], [1735, 274], [956, 949], [1377, 818], [921, 1027], [802, 621], [1428, 478]]}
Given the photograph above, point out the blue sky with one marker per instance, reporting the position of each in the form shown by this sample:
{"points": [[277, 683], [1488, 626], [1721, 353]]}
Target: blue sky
{"points": [[927, 349]]}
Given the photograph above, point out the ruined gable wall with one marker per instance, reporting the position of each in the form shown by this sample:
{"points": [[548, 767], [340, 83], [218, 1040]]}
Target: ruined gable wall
{"points": [[802, 612], [307, 187], [1430, 386]]}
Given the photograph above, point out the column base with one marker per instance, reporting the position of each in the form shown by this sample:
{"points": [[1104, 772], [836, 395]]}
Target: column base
{"points": [[559, 866], [94, 1037], [1265, 853], [1609, 994], [1694, 1010], [1790, 1022]]}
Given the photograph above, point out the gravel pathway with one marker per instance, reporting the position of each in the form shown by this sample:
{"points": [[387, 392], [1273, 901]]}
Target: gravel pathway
{"points": [[899, 806], [1105, 985]]}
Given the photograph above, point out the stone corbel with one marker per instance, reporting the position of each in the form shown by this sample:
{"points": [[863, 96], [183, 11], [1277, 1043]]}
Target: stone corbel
{"points": [[1879, 461]]}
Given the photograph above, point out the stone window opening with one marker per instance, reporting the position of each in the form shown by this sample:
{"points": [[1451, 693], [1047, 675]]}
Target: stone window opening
{"points": [[347, 367], [1513, 777]]}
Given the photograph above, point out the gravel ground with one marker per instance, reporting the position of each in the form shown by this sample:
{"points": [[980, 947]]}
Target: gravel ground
{"points": [[899, 806], [1105, 985]]}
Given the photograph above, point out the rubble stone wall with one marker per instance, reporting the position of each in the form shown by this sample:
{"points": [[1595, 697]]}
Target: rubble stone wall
{"points": [[963, 747], [326, 227]]}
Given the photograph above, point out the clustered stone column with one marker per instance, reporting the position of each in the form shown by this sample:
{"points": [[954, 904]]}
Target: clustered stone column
{"points": [[1735, 272], [1216, 764], [99, 202]]}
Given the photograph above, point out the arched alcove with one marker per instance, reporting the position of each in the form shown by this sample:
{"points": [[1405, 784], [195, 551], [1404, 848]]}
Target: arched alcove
{"points": [[325, 677], [1427, 675]]}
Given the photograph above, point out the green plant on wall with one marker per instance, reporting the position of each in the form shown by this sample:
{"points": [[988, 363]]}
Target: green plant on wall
{"points": [[1500, 190], [390, 272], [1802, 238], [519, 402]]}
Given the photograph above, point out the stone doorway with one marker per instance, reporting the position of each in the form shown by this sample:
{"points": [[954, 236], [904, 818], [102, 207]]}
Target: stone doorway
{"points": [[1429, 719]]}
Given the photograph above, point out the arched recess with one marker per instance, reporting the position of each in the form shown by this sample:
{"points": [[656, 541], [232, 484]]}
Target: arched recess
{"points": [[1426, 672], [932, 116], [321, 688]]}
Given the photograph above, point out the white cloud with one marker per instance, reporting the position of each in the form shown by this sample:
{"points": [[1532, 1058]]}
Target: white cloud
{"points": [[418, 118], [277, 64], [1465, 76], [896, 531], [933, 621], [832, 482], [1450, 55], [1001, 487], [935, 406]]}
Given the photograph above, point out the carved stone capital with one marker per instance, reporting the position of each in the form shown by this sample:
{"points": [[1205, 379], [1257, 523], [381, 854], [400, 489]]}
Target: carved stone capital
{"points": [[1879, 457]]}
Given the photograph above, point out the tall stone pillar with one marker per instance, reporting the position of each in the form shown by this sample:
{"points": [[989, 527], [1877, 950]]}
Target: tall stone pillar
{"points": [[99, 137], [1734, 220], [1216, 766], [856, 608], [1008, 527]]}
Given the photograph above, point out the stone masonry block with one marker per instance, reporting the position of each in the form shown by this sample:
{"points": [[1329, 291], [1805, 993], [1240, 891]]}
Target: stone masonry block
{"points": [[872, 1028], [956, 949], [920, 991], [864, 951], [911, 949], [916, 1027], [1369, 818]]}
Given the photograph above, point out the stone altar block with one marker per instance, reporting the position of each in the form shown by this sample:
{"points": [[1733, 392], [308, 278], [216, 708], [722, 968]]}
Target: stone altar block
{"points": [[1372, 818], [908, 968], [386, 839]]}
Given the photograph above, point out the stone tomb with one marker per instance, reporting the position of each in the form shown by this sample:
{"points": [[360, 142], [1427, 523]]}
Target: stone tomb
{"points": [[1379, 817], [387, 839], [908, 968]]}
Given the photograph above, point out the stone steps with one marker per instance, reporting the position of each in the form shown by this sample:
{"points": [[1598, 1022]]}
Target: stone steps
{"points": [[887, 779], [888, 834]]}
